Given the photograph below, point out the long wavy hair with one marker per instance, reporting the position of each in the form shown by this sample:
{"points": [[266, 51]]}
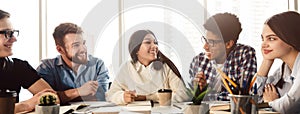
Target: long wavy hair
{"points": [[286, 26], [135, 42]]}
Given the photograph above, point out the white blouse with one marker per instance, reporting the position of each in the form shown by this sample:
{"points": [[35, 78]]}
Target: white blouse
{"points": [[146, 81], [289, 102]]}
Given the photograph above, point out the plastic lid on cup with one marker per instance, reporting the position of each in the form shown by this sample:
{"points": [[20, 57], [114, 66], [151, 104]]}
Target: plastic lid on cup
{"points": [[7, 93], [164, 90]]}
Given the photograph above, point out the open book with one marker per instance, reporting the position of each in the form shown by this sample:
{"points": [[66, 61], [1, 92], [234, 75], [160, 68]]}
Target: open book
{"points": [[143, 107], [98, 107], [139, 103], [216, 107]]}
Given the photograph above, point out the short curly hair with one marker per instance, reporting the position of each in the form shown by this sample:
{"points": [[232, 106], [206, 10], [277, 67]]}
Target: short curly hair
{"points": [[224, 25]]}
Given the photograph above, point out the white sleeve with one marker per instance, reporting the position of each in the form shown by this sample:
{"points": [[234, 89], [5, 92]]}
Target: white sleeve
{"points": [[115, 93], [261, 82], [290, 102]]}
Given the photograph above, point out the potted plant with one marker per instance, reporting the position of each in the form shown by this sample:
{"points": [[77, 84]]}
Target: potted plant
{"points": [[47, 104], [197, 107]]}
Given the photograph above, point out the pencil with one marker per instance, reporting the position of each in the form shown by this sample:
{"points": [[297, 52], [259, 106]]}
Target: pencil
{"points": [[226, 86], [252, 82], [226, 77], [177, 106], [229, 90]]}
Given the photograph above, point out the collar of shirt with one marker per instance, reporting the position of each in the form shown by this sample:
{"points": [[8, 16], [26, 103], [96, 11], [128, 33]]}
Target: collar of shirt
{"points": [[139, 66], [60, 62], [296, 66], [236, 48]]}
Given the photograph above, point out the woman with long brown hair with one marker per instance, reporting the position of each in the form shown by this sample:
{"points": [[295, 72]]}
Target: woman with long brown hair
{"points": [[280, 38], [147, 72]]}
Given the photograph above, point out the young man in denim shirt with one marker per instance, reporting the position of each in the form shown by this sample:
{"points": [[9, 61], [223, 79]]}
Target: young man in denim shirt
{"points": [[74, 73]]}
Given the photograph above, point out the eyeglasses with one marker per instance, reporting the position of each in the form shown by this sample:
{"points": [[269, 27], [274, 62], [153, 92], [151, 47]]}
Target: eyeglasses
{"points": [[210, 42], [10, 33]]}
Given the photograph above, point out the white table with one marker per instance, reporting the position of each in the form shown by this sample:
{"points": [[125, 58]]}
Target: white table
{"points": [[138, 108], [133, 108]]}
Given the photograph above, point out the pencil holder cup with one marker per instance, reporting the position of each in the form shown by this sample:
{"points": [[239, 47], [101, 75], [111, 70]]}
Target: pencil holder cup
{"points": [[243, 104]]}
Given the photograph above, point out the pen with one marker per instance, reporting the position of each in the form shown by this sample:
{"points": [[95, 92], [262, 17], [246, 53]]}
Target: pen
{"points": [[69, 111], [255, 89], [152, 103], [177, 106]]}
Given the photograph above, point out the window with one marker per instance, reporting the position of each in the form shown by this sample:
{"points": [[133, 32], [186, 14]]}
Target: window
{"points": [[176, 27], [61, 11]]}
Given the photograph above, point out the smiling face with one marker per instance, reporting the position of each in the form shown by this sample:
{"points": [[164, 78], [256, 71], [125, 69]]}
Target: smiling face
{"points": [[5, 43], [272, 46], [214, 47], [148, 50], [75, 48]]}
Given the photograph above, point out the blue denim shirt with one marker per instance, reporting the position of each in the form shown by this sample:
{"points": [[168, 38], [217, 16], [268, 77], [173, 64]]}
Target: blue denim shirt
{"points": [[61, 77]]}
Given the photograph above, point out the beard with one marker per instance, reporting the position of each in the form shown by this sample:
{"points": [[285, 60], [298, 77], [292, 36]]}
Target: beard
{"points": [[78, 59]]}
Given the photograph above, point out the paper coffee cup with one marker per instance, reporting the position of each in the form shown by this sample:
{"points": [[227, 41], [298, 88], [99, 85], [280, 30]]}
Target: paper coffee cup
{"points": [[165, 97], [7, 101]]}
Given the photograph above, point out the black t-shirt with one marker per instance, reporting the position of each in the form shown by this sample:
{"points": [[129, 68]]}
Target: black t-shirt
{"points": [[16, 74]]}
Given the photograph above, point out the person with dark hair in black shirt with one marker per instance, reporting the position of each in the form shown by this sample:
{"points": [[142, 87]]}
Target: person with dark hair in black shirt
{"points": [[16, 73]]}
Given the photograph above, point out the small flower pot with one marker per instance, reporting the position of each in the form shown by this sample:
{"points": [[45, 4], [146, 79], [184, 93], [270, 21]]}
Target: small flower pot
{"points": [[52, 109], [197, 109]]}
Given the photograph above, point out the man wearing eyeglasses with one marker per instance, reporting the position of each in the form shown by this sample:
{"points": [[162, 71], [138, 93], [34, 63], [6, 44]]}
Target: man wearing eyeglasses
{"points": [[222, 51], [16, 73], [75, 74]]}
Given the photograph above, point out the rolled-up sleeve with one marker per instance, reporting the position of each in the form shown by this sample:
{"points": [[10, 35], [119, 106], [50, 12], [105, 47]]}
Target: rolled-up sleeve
{"points": [[46, 72], [115, 93]]}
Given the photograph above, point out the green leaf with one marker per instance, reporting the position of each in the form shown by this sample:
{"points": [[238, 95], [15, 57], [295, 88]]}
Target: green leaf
{"points": [[201, 96], [197, 99]]}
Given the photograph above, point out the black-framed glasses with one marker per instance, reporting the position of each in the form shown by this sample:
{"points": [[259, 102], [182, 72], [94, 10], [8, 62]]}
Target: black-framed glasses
{"points": [[10, 33], [210, 42]]}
